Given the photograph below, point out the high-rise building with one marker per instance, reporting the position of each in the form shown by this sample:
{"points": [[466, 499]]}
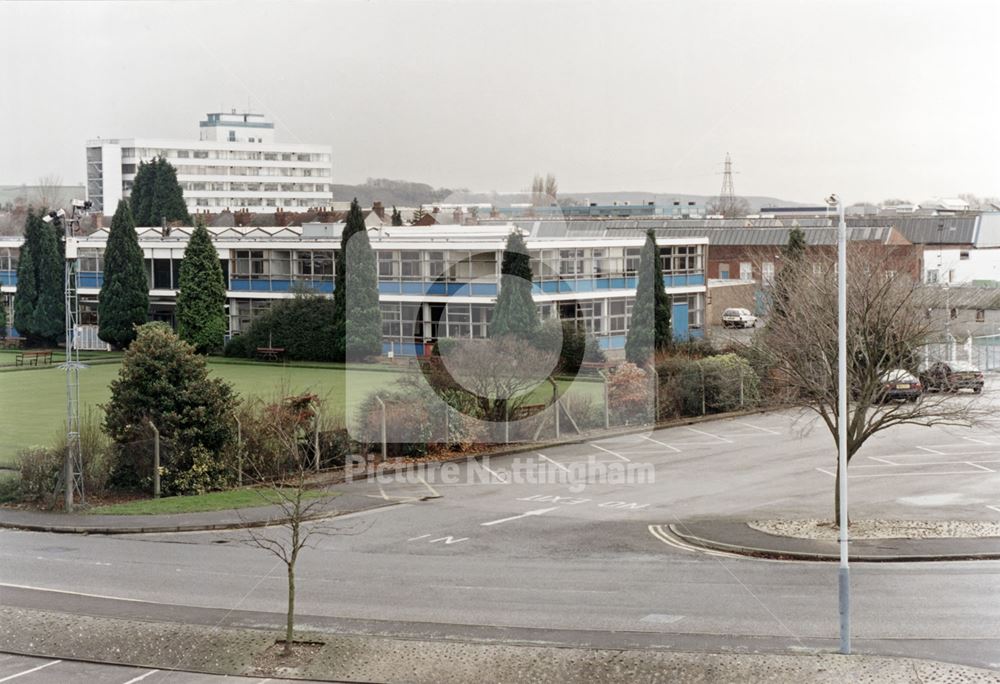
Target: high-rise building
{"points": [[236, 165]]}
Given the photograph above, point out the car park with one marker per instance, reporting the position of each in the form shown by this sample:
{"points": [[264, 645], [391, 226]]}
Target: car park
{"points": [[951, 376], [738, 318]]}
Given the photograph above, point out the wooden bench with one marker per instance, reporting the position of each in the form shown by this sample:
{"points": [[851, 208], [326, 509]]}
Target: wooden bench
{"points": [[270, 353], [12, 342], [33, 358]]}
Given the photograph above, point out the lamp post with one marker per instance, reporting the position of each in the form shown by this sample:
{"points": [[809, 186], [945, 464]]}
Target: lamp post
{"points": [[844, 571]]}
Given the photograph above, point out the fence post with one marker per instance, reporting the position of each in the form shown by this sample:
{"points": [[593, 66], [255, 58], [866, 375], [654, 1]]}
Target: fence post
{"points": [[701, 371], [316, 438], [447, 426], [656, 393], [384, 449], [506, 422], [156, 461], [555, 403], [607, 403], [239, 451], [741, 385]]}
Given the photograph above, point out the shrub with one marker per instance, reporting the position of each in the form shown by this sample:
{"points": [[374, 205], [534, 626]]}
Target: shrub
{"points": [[39, 469], [303, 326], [162, 380], [588, 413], [629, 394], [691, 387], [237, 347]]}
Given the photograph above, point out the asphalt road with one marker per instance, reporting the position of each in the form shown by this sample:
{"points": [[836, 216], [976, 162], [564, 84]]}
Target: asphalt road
{"points": [[573, 558]]}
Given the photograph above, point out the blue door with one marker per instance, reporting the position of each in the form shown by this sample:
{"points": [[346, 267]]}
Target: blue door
{"points": [[679, 320]]}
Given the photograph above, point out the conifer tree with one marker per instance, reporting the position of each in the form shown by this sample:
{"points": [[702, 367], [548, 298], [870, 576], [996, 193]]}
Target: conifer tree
{"points": [[124, 298], [141, 199], [39, 315], [397, 217], [649, 328], [201, 301], [168, 198], [362, 285], [27, 292], [515, 312]]}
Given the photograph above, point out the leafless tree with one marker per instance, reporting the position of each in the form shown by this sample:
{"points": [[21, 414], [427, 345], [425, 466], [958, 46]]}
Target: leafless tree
{"points": [[49, 192], [887, 329], [288, 425], [728, 207], [500, 373], [551, 187]]}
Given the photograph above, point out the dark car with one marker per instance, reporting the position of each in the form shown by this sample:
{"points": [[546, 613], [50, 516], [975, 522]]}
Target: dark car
{"points": [[951, 377], [900, 385]]}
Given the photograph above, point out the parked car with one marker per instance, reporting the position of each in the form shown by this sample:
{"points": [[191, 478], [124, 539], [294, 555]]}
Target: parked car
{"points": [[738, 318], [952, 376], [900, 385]]}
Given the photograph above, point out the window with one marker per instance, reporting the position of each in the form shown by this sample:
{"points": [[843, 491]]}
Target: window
{"points": [[435, 265], [482, 314], [932, 275], [570, 262], [963, 256], [281, 263], [409, 265], [767, 272], [617, 316], [724, 271], [980, 315], [91, 261], [391, 324], [746, 270], [632, 256], [232, 136], [954, 313], [388, 265], [458, 320], [600, 266]]}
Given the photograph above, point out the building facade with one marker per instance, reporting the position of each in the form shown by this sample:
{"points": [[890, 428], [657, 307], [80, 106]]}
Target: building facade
{"points": [[235, 165], [434, 282]]}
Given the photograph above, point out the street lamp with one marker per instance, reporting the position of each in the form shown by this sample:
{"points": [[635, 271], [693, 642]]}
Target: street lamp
{"points": [[844, 573]]}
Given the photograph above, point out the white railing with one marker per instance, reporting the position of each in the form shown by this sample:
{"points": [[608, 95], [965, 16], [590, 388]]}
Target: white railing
{"points": [[85, 338]]}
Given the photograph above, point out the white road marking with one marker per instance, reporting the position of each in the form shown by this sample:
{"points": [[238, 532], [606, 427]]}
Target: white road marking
{"points": [[434, 494], [152, 672], [598, 446], [827, 472], [670, 540], [557, 465], [662, 444], [494, 473], [995, 508], [949, 472], [34, 669], [976, 465], [882, 460], [755, 427], [709, 434], [423, 536], [540, 511], [977, 441], [932, 451], [448, 540]]}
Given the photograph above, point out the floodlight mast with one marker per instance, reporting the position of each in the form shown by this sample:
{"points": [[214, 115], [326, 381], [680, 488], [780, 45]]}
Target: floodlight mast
{"points": [[844, 573], [72, 476]]}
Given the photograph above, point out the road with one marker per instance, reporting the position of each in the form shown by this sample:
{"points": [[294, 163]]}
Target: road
{"points": [[565, 560]]}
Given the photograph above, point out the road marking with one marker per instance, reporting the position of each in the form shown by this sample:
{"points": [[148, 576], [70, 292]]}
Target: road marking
{"points": [[995, 508], [978, 441], [557, 465], [949, 472], [662, 619], [494, 473], [670, 540], [416, 538], [152, 672], [540, 511], [662, 444], [598, 446], [434, 494], [448, 540], [976, 465], [883, 460], [827, 472], [34, 669], [768, 431], [709, 434], [932, 451]]}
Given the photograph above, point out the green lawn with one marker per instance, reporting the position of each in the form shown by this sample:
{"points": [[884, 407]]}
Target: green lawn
{"points": [[33, 401], [213, 501]]}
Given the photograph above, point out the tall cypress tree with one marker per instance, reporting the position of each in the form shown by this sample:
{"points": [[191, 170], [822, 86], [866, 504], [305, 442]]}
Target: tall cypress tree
{"points": [[27, 290], [124, 298], [363, 322], [201, 302], [48, 320], [3, 320], [515, 312], [142, 193], [649, 328], [168, 197], [355, 224]]}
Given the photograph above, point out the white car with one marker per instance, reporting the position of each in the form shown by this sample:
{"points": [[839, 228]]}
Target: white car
{"points": [[738, 318]]}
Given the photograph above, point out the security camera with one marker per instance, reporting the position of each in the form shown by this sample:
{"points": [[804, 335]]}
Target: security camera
{"points": [[833, 200], [78, 204], [48, 217]]}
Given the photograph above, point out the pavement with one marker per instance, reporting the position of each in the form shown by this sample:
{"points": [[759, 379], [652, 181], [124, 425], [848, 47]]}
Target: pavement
{"points": [[736, 536], [185, 649]]}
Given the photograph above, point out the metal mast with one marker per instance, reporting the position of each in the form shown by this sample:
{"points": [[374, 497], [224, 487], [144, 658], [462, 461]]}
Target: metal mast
{"points": [[727, 196], [72, 476]]}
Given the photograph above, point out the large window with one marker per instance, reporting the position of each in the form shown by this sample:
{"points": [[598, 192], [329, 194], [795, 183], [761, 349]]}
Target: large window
{"points": [[91, 260], [388, 265], [8, 258], [315, 264], [249, 263], [409, 265], [243, 311]]}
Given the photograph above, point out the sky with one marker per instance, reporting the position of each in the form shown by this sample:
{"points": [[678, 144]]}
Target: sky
{"points": [[871, 100]]}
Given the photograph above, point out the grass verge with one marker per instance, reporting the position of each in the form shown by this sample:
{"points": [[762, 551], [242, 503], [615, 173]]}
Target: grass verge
{"points": [[200, 503]]}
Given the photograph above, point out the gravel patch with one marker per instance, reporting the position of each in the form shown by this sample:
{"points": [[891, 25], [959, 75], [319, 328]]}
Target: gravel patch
{"points": [[824, 530]]}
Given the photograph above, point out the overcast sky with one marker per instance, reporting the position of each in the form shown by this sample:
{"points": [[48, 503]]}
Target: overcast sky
{"points": [[869, 99]]}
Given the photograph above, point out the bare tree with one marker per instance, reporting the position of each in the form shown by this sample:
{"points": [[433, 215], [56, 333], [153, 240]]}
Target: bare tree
{"points": [[551, 187], [887, 329], [500, 373], [49, 192], [288, 425], [726, 207]]}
